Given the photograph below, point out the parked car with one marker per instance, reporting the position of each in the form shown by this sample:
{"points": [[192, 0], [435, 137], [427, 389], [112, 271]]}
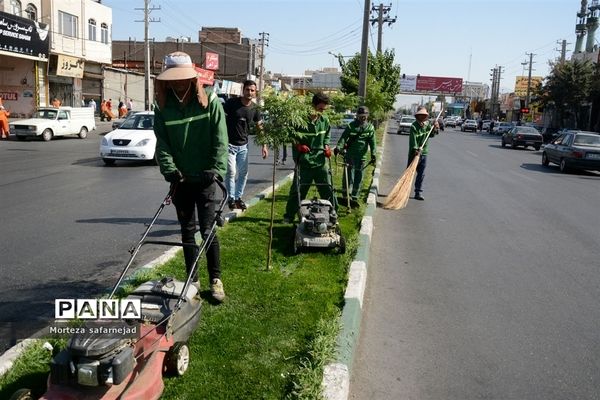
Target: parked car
{"points": [[133, 140], [522, 136], [469, 125], [503, 127], [486, 125], [450, 122], [574, 150], [405, 123]]}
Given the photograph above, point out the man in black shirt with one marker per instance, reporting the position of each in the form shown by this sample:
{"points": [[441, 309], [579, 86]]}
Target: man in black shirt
{"points": [[241, 112]]}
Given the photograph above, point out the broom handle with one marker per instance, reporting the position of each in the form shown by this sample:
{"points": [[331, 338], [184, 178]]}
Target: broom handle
{"points": [[431, 130]]}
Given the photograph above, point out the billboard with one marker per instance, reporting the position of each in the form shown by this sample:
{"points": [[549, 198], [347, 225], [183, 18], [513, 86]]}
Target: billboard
{"points": [[23, 36], [205, 76], [211, 61], [521, 84], [430, 84]]}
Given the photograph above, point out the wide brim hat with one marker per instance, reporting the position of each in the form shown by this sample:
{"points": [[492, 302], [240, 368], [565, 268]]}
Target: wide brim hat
{"points": [[177, 66], [422, 111]]}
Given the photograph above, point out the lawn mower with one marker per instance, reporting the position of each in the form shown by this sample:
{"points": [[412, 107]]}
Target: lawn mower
{"points": [[318, 227], [100, 366]]}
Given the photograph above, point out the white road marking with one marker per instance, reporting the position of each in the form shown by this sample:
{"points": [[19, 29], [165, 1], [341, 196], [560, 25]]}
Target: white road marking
{"points": [[472, 154]]}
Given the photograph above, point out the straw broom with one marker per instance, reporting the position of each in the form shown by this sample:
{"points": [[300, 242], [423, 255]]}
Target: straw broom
{"points": [[398, 197]]}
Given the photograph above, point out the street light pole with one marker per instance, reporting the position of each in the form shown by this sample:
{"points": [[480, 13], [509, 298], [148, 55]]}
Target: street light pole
{"points": [[362, 79]]}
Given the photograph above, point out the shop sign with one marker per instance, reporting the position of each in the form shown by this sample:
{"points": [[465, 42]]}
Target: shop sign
{"points": [[14, 96], [69, 66], [23, 36]]}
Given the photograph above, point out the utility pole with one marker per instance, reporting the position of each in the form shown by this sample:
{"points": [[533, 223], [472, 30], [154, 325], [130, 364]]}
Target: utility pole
{"points": [[264, 41], [382, 17], [563, 50], [529, 79], [364, 49], [494, 97], [147, 9]]}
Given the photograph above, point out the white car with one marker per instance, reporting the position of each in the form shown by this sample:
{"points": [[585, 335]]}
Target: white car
{"points": [[133, 140], [405, 123]]}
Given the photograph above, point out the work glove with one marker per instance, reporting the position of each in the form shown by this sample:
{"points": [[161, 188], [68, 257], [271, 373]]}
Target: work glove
{"points": [[327, 152], [373, 159], [302, 148], [209, 176], [174, 177]]}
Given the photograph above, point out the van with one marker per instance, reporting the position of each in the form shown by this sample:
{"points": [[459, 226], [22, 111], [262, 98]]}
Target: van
{"points": [[48, 122]]}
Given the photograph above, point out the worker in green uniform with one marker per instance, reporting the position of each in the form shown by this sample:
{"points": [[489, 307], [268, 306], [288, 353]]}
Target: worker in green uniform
{"points": [[357, 139], [310, 152], [418, 143], [191, 148]]}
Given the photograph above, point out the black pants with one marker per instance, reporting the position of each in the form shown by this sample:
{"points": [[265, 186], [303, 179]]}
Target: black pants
{"points": [[189, 198], [420, 172]]}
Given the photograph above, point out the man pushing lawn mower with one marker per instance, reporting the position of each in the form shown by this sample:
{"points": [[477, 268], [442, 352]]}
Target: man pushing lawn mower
{"points": [[357, 139]]}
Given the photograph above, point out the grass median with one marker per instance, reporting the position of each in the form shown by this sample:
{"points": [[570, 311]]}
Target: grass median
{"points": [[277, 328]]}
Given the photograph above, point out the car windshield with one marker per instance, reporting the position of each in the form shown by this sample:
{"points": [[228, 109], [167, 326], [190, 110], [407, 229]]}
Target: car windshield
{"points": [[137, 121], [587, 140], [45, 114], [408, 119], [525, 129]]}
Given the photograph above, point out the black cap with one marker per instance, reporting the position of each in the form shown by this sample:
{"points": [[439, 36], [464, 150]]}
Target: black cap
{"points": [[362, 110]]}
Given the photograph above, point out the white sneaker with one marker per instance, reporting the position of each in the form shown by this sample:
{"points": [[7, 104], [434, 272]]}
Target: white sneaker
{"points": [[216, 290]]}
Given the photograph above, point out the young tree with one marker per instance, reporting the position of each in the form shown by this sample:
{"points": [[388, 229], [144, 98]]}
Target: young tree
{"points": [[282, 114]]}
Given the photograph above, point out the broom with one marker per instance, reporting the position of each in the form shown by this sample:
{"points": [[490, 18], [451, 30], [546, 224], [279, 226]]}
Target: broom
{"points": [[398, 197]]}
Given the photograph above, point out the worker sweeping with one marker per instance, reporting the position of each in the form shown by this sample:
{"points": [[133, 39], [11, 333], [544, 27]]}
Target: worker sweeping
{"points": [[420, 132], [357, 139]]}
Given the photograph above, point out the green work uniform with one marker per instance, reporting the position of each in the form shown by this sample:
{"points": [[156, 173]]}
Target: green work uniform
{"points": [[196, 138], [310, 166], [356, 140], [417, 136]]}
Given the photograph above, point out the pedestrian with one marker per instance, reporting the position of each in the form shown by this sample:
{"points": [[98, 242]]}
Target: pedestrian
{"points": [[241, 112], [109, 113], [129, 104], [56, 102], [283, 155], [92, 104], [191, 150], [121, 109], [83, 104], [4, 127], [356, 140], [491, 128], [310, 152], [418, 145], [103, 110]]}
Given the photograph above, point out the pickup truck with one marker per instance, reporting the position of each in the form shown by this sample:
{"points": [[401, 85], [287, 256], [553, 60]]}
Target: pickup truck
{"points": [[48, 122]]}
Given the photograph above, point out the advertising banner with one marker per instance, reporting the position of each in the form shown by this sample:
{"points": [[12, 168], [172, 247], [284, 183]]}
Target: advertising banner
{"points": [[212, 61], [205, 76], [408, 83], [521, 84], [439, 84], [69, 66], [23, 36]]}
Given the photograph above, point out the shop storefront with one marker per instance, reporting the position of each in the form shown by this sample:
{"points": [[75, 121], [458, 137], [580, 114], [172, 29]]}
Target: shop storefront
{"points": [[23, 64]]}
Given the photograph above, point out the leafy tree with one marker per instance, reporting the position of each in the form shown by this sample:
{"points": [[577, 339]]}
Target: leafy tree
{"points": [[567, 87], [383, 81], [283, 114]]}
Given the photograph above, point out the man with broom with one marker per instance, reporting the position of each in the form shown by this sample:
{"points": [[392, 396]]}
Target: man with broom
{"points": [[357, 139], [418, 143]]}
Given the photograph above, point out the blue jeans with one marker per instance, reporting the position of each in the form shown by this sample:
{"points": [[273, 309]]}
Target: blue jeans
{"points": [[420, 173], [237, 164]]}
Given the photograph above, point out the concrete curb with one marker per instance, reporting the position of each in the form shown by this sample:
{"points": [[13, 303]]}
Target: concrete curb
{"points": [[8, 358], [336, 375]]}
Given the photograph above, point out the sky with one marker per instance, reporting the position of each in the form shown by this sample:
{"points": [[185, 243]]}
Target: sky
{"points": [[448, 38]]}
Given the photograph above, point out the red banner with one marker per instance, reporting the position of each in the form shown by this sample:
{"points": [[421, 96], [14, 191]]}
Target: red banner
{"points": [[439, 84], [206, 77], [212, 61]]}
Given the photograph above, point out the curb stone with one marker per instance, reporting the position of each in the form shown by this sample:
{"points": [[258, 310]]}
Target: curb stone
{"points": [[336, 375]]}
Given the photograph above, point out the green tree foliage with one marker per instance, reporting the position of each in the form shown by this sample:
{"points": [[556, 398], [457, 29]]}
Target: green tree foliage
{"points": [[568, 86], [383, 81]]}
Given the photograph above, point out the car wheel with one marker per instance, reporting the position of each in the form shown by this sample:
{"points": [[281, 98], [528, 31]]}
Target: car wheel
{"points": [[109, 161], [537, 147], [503, 143], [563, 166], [513, 145], [177, 359], [83, 132], [545, 161], [47, 135]]}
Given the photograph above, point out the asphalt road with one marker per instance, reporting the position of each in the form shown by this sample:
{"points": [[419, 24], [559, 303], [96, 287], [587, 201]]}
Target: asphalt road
{"points": [[67, 222], [489, 289]]}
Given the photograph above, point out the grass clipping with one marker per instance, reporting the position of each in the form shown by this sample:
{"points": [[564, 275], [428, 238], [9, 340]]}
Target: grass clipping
{"points": [[398, 197]]}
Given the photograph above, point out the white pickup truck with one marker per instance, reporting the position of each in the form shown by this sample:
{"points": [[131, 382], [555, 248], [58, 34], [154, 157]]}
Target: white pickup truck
{"points": [[48, 122]]}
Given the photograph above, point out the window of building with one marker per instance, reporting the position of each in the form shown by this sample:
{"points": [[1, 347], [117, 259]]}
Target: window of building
{"points": [[104, 33], [16, 7], [92, 29], [67, 24], [31, 12]]}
